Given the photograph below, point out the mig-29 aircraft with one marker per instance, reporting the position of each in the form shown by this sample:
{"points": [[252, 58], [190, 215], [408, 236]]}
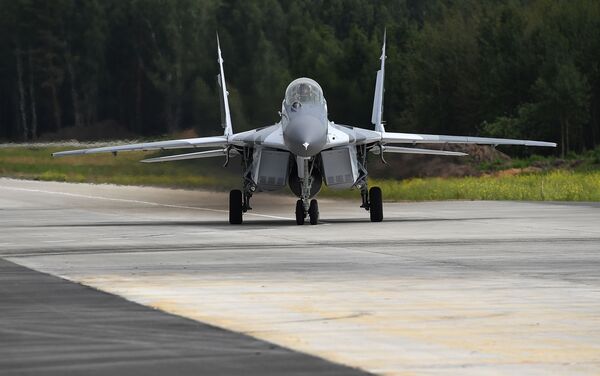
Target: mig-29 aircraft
{"points": [[304, 149]]}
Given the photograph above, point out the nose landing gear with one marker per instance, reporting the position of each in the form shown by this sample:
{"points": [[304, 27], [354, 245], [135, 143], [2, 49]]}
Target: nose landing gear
{"points": [[305, 207], [313, 212]]}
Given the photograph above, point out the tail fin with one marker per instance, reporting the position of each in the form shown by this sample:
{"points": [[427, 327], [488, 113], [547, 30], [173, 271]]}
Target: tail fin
{"points": [[378, 98], [223, 94]]}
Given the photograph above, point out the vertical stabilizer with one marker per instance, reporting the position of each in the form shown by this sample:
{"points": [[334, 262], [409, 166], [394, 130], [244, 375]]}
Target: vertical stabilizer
{"points": [[223, 95], [376, 118]]}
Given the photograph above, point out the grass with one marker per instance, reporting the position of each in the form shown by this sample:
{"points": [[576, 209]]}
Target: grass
{"points": [[558, 185], [36, 163], [584, 162]]}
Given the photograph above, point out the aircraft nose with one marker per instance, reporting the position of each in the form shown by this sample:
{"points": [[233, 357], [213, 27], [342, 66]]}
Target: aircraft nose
{"points": [[305, 136]]}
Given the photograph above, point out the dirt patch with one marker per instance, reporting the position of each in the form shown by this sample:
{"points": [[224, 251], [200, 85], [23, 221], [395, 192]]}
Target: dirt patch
{"points": [[515, 171], [403, 166]]}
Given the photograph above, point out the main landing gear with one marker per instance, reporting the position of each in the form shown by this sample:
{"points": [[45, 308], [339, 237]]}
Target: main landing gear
{"points": [[235, 207], [375, 204], [305, 206], [372, 200], [239, 203], [313, 212]]}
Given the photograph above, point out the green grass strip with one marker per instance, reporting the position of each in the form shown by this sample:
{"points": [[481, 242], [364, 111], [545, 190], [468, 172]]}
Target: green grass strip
{"points": [[559, 185], [125, 169]]}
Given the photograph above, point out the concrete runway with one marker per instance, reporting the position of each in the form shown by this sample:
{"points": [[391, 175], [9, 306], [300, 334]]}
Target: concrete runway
{"points": [[470, 288]]}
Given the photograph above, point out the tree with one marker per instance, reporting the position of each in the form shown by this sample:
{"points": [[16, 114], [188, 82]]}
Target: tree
{"points": [[565, 96], [510, 67], [442, 73]]}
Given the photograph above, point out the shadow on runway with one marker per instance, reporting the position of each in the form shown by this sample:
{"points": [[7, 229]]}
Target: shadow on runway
{"points": [[399, 219], [211, 223], [261, 223]]}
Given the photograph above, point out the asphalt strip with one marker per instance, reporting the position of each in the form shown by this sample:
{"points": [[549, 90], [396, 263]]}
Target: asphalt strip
{"points": [[50, 326]]}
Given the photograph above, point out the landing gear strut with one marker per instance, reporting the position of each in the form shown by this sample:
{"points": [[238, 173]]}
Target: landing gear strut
{"points": [[372, 200], [305, 206], [239, 200]]}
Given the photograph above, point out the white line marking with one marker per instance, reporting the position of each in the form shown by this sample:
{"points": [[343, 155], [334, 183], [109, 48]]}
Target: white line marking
{"points": [[135, 201], [58, 241]]}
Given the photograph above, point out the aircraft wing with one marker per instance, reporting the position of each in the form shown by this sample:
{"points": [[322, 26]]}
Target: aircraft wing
{"points": [[197, 155], [410, 138], [217, 141], [401, 150]]}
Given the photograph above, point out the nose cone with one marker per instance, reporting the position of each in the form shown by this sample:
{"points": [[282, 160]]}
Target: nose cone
{"points": [[305, 135]]}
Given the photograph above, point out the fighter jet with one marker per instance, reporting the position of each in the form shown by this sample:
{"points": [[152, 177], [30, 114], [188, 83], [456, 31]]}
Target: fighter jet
{"points": [[304, 149]]}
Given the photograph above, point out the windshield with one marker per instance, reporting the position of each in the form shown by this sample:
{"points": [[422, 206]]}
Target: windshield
{"points": [[303, 90]]}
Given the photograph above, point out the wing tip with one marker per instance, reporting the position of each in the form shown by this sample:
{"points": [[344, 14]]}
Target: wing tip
{"points": [[542, 144], [59, 154]]}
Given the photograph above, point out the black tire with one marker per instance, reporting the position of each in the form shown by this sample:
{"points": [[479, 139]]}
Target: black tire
{"points": [[313, 212], [300, 215], [235, 207], [376, 204]]}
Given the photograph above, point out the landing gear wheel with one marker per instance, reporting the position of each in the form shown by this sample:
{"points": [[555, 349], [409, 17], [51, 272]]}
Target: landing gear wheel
{"points": [[376, 204], [300, 214], [235, 207], [313, 212]]}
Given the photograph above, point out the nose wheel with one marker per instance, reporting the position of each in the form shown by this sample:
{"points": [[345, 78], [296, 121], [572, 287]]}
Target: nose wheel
{"points": [[312, 212], [300, 213]]}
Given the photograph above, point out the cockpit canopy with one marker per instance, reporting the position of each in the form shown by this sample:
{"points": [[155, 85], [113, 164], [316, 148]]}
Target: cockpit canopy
{"points": [[304, 91]]}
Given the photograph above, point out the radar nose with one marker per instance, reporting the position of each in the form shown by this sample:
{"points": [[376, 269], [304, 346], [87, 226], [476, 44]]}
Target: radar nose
{"points": [[305, 136]]}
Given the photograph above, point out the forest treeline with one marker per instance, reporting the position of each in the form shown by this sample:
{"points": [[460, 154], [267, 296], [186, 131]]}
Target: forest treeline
{"points": [[528, 68]]}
